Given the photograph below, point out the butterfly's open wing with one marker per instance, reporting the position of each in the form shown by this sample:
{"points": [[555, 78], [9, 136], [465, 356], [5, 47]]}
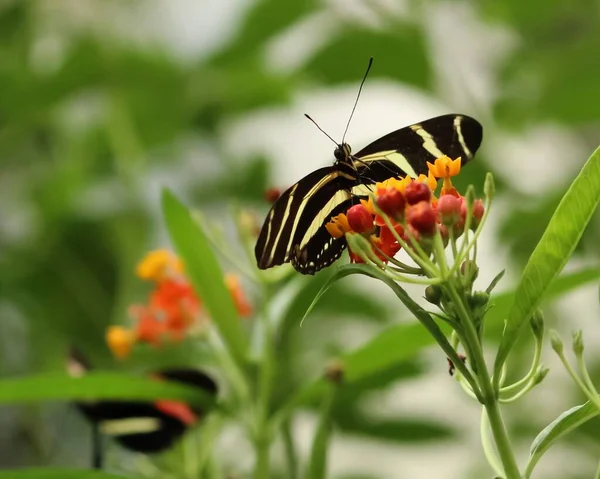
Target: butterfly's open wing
{"points": [[407, 150], [314, 247], [294, 228]]}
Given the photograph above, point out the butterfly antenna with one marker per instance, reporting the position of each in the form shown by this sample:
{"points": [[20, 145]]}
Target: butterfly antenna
{"points": [[357, 97], [321, 129]]}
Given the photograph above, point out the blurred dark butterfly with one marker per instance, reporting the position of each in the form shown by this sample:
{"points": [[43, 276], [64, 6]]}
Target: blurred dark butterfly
{"points": [[141, 426]]}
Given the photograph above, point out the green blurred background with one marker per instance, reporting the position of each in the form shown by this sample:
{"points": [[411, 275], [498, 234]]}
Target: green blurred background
{"points": [[102, 103]]}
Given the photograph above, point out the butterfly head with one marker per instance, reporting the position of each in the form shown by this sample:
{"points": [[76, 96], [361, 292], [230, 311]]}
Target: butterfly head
{"points": [[342, 153]]}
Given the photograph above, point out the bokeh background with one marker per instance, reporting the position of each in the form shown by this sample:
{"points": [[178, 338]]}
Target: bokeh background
{"points": [[103, 103]]}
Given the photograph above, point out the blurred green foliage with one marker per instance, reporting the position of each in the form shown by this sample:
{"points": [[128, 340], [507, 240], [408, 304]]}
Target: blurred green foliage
{"points": [[85, 130]]}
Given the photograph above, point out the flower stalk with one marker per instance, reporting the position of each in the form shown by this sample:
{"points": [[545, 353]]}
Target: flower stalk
{"points": [[406, 215]]}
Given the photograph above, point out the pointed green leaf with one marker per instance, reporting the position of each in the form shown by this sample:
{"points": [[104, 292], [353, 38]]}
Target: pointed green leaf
{"points": [[205, 272], [552, 252], [561, 426], [392, 346], [562, 285], [96, 385]]}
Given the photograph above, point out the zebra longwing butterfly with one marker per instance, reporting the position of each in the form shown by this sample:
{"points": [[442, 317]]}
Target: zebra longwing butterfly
{"points": [[294, 230], [143, 426]]}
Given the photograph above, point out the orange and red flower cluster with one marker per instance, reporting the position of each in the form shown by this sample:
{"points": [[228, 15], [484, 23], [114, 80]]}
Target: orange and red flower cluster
{"points": [[412, 208], [172, 310]]}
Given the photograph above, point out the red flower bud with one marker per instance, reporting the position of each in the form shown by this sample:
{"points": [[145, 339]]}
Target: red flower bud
{"points": [[449, 209], [359, 219], [478, 210], [422, 217], [416, 192], [272, 194], [391, 202]]}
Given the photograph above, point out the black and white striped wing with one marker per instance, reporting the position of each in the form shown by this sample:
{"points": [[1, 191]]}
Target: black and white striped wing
{"points": [[316, 248], [294, 229], [406, 151]]}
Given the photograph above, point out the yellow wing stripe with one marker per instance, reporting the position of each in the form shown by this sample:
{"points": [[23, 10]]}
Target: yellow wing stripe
{"points": [[428, 142], [338, 198], [392, 156], [305, 200]]}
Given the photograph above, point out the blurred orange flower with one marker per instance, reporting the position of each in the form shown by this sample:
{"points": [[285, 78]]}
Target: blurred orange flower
{"points": [[172, 308]]}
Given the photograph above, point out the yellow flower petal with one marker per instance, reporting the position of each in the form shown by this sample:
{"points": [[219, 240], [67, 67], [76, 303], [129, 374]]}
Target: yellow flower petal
{"points": [[338, 226], [120, 341], [444, 167], [158, 264]]}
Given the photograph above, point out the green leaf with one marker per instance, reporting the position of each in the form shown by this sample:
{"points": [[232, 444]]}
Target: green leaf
{"points": [[561, 426], [344, 59], [96, 385], [552, 252], [560, 286], [397, 430], [39, 473], [205, 272], [394, 345]]}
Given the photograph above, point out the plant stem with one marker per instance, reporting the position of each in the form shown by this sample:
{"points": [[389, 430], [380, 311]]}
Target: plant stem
{"points": [[490, 399], [501, 438], [262, 447], [317, 466], [262, 433], [290, 449], [489, 452]]}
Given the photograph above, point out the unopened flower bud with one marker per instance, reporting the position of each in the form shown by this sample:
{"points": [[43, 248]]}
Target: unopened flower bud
{"points": [[272, 194], [469, 269], [422, 217], [448, 207], [359, 219], [556, 342], [541, 372], [537, 324], [334, 371], [478, 210], [433, 294], [391, 202], [416, 192], [577, 342], [479, 299]]}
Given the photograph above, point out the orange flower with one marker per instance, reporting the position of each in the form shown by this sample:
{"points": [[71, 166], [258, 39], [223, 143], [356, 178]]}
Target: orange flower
{"points": [[159, 264], [338, 226], [177, 302], [444, 167], [149, 329], [242, 305], [429, 179], [120, 341]]}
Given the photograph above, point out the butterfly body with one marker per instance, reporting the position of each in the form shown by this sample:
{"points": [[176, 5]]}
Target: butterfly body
{"points": [[294, 230]]}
